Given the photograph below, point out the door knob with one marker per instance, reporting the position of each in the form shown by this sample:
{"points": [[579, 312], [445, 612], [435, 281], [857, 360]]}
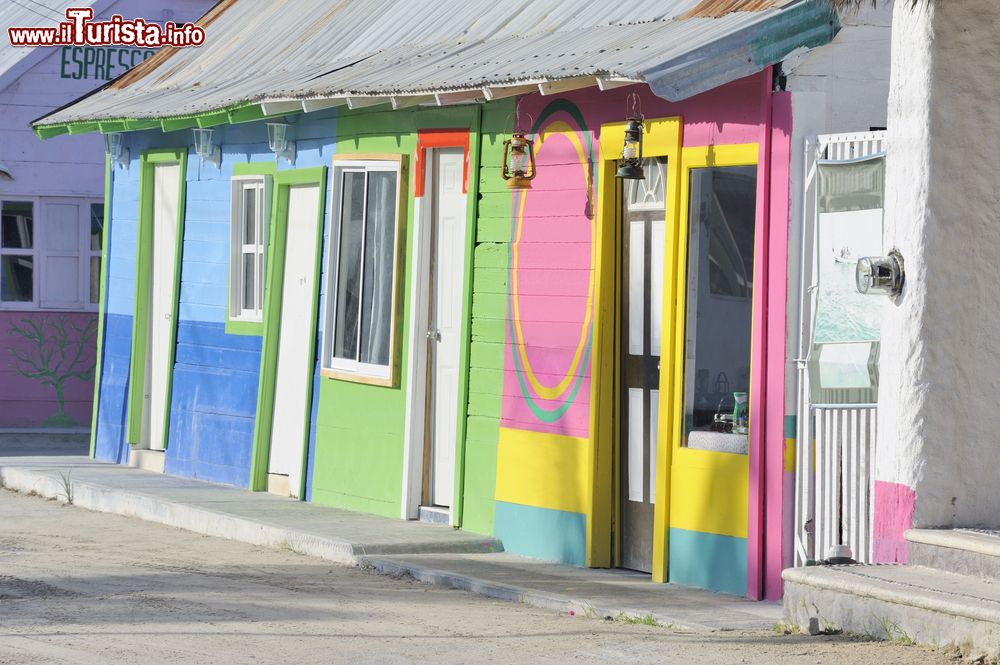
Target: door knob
{"points": [[434, 335]]}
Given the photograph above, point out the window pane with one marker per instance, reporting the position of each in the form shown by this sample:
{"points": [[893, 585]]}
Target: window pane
{"points": [[249, 220], [719, 308], [349, 266], [95, 279], [376, 307], [17, 225], [729, 214], [260, 281], [249, 297], [96, 225], [15, 278]]}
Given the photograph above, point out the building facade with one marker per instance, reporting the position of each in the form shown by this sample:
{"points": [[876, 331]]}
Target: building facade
{"points": [[339, 298]]}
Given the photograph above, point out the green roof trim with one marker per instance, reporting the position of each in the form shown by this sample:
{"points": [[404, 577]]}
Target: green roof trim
{"points": [[212, 119], [82, 127], [113, 126], [135, 125], [245, 112], [175, 124]]}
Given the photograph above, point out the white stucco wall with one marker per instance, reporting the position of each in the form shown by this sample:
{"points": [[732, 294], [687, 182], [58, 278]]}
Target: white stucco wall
{"points": [[939, 421]]}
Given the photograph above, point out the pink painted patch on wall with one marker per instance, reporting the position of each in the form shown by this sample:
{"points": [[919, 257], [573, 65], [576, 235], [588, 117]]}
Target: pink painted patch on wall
{"points": [[47, 369], [893, 516]]}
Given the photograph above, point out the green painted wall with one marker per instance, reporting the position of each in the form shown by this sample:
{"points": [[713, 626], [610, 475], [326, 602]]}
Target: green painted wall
{"points": [[358, 460], [489, 311]]}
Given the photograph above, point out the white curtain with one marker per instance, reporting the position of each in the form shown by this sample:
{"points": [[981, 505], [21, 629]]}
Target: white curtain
{"points": [[380, 232]]}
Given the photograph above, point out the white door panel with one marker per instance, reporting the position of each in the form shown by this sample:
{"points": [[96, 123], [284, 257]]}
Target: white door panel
{"points": [[295, 363], [166, 190], [449, 261]]}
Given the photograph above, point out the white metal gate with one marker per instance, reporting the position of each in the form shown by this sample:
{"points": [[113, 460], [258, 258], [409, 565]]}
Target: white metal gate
{"points": [[835, 442]]}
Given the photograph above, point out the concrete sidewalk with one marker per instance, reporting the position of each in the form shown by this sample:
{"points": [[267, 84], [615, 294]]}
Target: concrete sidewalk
{"points": [[430, 553]]}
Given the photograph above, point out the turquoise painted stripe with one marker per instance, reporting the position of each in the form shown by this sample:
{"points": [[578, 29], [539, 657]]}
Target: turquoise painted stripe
{"points": [[791, 427], [542, 533], [708, 561]]}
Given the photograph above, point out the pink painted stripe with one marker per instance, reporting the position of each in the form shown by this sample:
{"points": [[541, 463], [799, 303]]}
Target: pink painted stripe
{"points": [[774, 424], [894, 505], [758, 379]]}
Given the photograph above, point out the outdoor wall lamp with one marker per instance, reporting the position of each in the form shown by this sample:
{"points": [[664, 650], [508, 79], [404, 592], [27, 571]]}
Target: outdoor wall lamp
{"points": [[277, 141], [205, 146], [880, 275], [115, 149], [5, 172]]}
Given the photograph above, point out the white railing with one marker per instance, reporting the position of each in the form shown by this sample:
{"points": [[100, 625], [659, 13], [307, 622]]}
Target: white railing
{"points": [[845, 445], [835, 442]]}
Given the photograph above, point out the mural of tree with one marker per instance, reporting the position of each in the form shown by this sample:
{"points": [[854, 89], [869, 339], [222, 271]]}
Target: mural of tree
{"points": [[55, 350]]}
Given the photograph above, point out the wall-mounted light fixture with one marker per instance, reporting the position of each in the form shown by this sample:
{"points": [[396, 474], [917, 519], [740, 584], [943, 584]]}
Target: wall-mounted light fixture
{"points": [[880, 275], [277, 141], [630, 161], [114, 148], [5, 172], [205, 146], [518, 167]]}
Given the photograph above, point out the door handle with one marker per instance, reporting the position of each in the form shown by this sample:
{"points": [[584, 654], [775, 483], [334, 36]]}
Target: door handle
{"points": [[434, 335]]}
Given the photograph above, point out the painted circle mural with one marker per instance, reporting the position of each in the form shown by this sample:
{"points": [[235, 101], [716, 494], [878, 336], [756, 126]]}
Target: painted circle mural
{"points": [[549, 392]]}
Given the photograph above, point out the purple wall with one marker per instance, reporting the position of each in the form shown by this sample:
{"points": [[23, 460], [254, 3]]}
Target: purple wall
{"points": [[40, 386], [47, 368]]}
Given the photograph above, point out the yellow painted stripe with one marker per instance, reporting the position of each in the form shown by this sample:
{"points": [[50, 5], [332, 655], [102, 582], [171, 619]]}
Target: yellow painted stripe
{"points": [[790, 455], [709, 492], [543, 470], [736, 154]]}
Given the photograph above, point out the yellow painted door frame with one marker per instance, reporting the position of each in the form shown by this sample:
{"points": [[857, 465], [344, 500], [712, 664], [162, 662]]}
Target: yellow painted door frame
{"points": [[661, 138], [693, 472]]}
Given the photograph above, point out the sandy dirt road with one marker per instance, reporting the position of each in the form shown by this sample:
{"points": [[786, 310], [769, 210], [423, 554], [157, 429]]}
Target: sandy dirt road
{"points": [[90, 588]]}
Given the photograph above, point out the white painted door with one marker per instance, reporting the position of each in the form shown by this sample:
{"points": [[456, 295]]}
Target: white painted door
{"points": [[446, 319], [295, 361], [166, 192]]}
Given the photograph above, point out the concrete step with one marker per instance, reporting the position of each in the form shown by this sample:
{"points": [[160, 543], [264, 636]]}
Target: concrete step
{"points": [[974, 552], [896, 602], [435, 515]]}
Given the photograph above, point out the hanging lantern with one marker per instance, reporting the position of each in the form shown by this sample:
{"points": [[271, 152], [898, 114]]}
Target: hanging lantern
{"points": [[630, 162], [518, 161]]}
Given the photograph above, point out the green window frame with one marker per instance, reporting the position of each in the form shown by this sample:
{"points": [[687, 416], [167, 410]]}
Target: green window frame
{"points": [[239, 321]]}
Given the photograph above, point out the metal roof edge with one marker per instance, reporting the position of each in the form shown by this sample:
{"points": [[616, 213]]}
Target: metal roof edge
{"points": [[811, 24]]}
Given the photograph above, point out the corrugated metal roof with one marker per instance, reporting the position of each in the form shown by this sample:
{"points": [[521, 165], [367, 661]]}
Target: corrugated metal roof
{"points": [[353, 51]]}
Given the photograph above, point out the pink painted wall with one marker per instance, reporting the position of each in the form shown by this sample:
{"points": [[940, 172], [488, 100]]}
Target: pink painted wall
{"points": [[778, 500], [41, 353], [553, 239], [894, 504], [556, 237]]}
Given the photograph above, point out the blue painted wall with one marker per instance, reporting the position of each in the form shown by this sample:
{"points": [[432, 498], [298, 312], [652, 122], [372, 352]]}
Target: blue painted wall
{"points": [[708, 561], [214, 397], [542, 533]]}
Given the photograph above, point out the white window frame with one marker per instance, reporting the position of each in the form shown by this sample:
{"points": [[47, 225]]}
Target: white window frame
{"points": [[39, 253], [355, 370], [237, 248]]}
